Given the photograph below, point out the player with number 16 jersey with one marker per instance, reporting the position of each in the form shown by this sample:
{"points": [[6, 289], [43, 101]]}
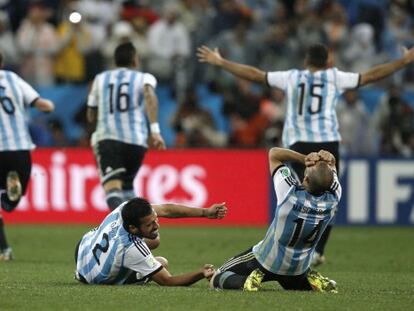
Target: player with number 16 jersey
{"points": [[120, 102]]}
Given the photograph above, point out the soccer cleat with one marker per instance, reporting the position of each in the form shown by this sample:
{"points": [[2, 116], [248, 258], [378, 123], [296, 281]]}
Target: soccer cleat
{"points": [[253, 281], [321, 284], [317, 259], [14, 187], [6, 254]]}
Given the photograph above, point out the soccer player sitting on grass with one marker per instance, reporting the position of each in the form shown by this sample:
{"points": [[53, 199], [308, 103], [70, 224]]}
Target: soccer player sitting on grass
{"points": [[303, 212], [116, 253]]}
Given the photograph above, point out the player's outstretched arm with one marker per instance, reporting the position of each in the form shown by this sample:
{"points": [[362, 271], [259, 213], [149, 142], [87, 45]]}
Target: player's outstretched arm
{"points": [[213, 57], [379, 72], [278, 156], [215, 211], [164, 278], [44, 105]]}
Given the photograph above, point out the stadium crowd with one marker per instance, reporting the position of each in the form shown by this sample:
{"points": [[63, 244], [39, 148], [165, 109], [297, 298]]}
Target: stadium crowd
{"points": [[48, 46]]}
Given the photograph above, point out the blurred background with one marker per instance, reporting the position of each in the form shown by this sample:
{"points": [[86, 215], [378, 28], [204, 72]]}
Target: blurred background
{"points": [[202, 107], [199, 105]]}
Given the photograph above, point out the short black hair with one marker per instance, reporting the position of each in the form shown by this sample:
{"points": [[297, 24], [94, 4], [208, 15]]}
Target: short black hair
{"points": [[317, 55], [124, 54], [133, 210]]}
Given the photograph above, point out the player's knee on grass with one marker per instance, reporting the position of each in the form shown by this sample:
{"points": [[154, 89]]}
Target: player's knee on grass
{"points": [[163, 261]]}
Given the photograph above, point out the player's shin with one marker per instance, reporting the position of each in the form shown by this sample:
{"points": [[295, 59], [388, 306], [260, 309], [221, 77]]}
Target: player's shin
{"points": [[228, 280]]}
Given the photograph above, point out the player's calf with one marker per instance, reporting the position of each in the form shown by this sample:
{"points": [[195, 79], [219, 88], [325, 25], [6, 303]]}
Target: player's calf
{"points": [[14, 187]]}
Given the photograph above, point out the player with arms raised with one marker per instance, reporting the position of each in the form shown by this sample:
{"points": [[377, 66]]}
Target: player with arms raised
{"points": [[311, 97]]}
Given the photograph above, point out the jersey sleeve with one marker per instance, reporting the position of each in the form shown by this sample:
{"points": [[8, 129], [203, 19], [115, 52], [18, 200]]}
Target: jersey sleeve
{"points": [[347, 80], [336, 187], [277, 79], [138, 258], [93, 94], [283, 182], [149, 79], [29, 93]]}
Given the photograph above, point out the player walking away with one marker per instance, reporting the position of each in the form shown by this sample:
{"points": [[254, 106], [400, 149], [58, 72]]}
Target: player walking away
{"points": [[16, 96], [118, 102], [311, 96], [115, 252], [303, 212]]}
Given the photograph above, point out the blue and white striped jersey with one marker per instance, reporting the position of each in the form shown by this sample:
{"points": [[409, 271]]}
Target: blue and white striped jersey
{"points": [[299, 221], [16, 95], [118, 95], [109, 254], [311, 99]]}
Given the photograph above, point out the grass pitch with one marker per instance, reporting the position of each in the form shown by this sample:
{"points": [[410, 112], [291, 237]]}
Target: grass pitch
{"points": [[374, 269]]}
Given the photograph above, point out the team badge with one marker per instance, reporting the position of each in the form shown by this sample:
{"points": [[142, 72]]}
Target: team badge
{"points": [[285, 172]]}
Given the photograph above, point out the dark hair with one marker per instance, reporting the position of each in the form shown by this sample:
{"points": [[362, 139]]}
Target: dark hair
{"points": [[317, 55], [124, 54], [320, 178], [133, 210]]}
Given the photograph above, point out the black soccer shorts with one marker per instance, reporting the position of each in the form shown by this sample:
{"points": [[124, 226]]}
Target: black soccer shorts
{"points": [[118, 160]]}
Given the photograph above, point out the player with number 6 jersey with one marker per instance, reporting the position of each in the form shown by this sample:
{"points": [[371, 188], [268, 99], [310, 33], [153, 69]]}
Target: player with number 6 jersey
{"points": [[16, 96], [120, 102]]}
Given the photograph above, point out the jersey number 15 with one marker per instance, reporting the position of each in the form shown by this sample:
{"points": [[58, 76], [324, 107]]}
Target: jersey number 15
{"points": [[314, 94]]}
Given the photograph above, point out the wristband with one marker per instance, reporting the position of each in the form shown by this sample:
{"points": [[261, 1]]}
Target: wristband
{"points": [[155, 128]]}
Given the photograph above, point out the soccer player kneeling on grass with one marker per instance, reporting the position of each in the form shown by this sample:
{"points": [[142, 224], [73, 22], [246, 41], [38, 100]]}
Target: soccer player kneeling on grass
{"points": [[302, 214], [116, 252]]}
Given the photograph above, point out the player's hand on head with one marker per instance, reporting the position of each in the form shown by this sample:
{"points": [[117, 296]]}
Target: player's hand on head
{"points": [[311, 159], [216, 211], [206, 55], [208, 271], [327, 157], [157, 141]]}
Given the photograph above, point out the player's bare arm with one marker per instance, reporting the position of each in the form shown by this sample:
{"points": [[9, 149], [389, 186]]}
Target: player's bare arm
{"points": [[215, 211], [278, 156], [164, 278], [213, 57], [382, 71], [151, 105], [44, 105], [92, 115]]}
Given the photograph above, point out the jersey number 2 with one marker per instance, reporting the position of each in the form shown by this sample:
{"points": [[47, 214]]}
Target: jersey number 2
{"points": [[6, 102], [310, 238], [99, 246], [313, 92]]}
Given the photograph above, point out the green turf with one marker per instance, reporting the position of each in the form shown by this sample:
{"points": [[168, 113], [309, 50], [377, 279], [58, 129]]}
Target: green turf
{"points": [[374, 268]]}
